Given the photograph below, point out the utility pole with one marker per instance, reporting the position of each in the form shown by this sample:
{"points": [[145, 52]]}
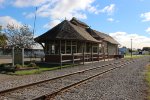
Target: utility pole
{"points": [[34, 27], [131, 48], [34, 21]]}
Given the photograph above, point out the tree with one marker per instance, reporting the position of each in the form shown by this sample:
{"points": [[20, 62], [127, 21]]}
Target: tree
{"points": [[3, 39], [19, 36], [146, 49]]}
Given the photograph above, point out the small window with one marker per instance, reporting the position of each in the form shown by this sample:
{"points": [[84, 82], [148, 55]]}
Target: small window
{"points": [[74, 43], [68, 49], [63, 47], [68, 43], [53, 49], [95, 50], [74, 49]]}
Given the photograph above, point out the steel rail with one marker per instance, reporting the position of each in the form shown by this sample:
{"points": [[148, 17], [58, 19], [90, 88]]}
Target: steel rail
{"points": [[51, 79], [52, 95]]}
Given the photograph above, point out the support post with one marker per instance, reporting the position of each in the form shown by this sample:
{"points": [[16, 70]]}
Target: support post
{"points": [[71, 47], [103, 50], [13, 55], [65, 46], [92, 52], [76, 46], [73, 59], [98, 52], [22, 56], [83, 53], [60, 61], [108, 56], [60, 54], [131, 48]]}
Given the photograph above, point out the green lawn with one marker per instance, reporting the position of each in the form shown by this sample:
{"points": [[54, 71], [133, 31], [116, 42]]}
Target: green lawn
{"points": [[134, 56], [39, 70], [147, 77]]}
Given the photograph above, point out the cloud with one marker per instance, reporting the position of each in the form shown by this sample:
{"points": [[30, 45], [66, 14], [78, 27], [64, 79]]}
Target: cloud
{"points": [[28, 3], [124, 39], [66, 8], [1, 2], [145, 16], [108, 9], [110, 19], [5, 20], [52, 24], [61, 9], [148, 30]]}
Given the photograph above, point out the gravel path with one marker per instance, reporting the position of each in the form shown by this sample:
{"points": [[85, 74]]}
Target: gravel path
{"points": [[126, 83], [13, 81]]}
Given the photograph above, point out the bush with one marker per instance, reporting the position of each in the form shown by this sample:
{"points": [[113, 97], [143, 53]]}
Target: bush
{"points": [[2, 65], [18, 66], [6, 68], [32, 65]]}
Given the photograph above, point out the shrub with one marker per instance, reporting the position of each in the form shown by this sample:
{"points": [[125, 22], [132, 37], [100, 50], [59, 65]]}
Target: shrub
{"points": [[2, 65], [32, 65], [18, 66]]}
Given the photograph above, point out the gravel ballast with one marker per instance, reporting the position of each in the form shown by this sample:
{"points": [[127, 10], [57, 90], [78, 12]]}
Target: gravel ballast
{"points": [[126, 83], [9, 81], [51, 86], [120, 84]]}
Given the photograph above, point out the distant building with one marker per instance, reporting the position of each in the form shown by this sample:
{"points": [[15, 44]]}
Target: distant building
{"points": [[74, 37], [123, 50]]}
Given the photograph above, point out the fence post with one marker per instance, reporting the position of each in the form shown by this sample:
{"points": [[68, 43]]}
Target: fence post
{"points": [[60, 61], [73, 58], [91, 52], [104, 56], [83, 57], [98, 55]]}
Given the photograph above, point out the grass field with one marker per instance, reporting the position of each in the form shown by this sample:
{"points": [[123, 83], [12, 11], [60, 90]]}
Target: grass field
{"points": [[134, 56], [147, 77], [42, 68], [38, 71]]}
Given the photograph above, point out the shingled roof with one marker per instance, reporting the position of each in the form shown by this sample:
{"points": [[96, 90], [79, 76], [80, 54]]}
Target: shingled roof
{"points": [[74, 30], [78, 23], [66, 31], [105, 37], [97, 35]]}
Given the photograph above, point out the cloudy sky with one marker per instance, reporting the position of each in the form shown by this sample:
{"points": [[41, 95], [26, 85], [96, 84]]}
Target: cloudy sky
{"points": [[122, 19]]}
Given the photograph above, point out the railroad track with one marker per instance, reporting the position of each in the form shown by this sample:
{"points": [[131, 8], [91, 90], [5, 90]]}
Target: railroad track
{"points": [[54, 86]]}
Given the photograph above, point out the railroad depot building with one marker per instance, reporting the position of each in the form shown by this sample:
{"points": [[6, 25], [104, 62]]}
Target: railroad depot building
{"points": [[75, 41]]}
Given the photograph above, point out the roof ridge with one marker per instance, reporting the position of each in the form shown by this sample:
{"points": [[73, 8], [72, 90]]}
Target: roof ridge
{"points": [[75, 20], [81, 30]]}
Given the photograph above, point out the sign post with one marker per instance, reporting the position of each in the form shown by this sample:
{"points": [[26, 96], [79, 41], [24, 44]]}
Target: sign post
{"points": [[19, 56]]}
